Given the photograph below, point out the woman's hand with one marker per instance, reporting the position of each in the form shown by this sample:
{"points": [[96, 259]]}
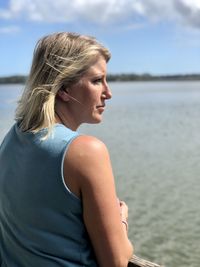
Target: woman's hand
{"points": [[123, 210], [124, 213]]}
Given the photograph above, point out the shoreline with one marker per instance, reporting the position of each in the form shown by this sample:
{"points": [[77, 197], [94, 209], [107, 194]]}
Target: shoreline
{"points": [[21, 79]]}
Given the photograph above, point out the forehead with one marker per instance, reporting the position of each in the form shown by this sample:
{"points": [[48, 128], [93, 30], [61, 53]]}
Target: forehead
{"points": [[99, 67]]}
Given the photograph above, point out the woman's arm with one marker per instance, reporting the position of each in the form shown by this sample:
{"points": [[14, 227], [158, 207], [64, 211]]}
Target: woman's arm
{"points": [[88, 173]]}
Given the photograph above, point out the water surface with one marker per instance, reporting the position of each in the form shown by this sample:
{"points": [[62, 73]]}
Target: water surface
{"points": [[152, 132]]}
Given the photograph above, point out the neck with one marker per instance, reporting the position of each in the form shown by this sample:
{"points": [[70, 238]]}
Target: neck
{"points": [[63, 119]]}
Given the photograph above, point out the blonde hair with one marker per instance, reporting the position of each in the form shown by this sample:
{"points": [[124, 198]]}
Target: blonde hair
{"points": [[59, 59]]}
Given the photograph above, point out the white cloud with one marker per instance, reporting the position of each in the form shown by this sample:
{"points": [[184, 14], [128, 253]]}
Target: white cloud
{"points": [[189, 12], [104, 11], [9, 29]]}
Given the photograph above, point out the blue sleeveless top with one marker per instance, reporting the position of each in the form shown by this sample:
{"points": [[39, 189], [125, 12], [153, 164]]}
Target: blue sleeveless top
{"points": [[41, 220]]}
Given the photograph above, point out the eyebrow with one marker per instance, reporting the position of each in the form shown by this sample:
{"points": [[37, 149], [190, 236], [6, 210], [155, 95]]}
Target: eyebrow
{"points": [[96, 75]]}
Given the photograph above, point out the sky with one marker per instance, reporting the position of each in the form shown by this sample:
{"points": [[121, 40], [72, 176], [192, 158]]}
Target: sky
{"points": [[144, 36]]}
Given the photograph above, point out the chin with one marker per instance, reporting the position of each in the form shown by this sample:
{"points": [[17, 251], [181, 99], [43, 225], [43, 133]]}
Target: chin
{"points": [[96, 120]]}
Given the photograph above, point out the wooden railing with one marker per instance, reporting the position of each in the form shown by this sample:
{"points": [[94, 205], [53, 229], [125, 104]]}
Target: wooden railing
{"points": [[138, 262]]}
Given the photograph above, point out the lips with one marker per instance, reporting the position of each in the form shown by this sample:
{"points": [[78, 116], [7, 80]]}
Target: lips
{"points": [[101, 106]]}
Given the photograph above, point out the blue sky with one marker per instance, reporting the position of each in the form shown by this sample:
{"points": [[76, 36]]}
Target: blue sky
{"points": [[144, 36]]}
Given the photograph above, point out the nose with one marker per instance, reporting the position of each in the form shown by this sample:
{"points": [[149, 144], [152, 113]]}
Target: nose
{"points": [[107, 92]]}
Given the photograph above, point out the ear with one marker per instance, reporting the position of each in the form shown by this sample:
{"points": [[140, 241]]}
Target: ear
{"points": [[63, 95]]}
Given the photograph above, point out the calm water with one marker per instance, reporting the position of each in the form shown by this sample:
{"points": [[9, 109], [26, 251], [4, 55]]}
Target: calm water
{"points": [[152, 130]]}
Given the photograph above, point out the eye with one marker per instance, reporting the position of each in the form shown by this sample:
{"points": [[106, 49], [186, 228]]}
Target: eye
{"points": [[97, 80]]}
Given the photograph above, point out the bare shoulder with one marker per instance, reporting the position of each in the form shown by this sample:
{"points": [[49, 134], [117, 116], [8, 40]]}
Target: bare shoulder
{"points": [[86, 146], [87, 158]]}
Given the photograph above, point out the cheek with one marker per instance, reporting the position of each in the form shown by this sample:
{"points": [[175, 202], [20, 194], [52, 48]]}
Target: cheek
{"points": [[89, 94], [92, 97]]}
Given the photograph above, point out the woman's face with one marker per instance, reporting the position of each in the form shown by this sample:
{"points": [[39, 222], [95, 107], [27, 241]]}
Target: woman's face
{"points": [[87, 97]]}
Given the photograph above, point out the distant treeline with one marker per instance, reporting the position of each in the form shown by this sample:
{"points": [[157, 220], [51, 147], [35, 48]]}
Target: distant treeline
{"points": [[149, 77], [13, 79], [117, 77]]}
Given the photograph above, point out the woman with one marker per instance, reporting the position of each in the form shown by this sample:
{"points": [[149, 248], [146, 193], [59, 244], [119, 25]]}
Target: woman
{"points": [[58, 204]]}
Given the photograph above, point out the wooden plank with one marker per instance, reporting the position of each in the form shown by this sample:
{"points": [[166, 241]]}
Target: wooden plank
{"points": [[138, 262]]}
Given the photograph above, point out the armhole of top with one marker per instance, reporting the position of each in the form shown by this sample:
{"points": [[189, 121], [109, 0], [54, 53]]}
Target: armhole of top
{"points": [[62, 169]]}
